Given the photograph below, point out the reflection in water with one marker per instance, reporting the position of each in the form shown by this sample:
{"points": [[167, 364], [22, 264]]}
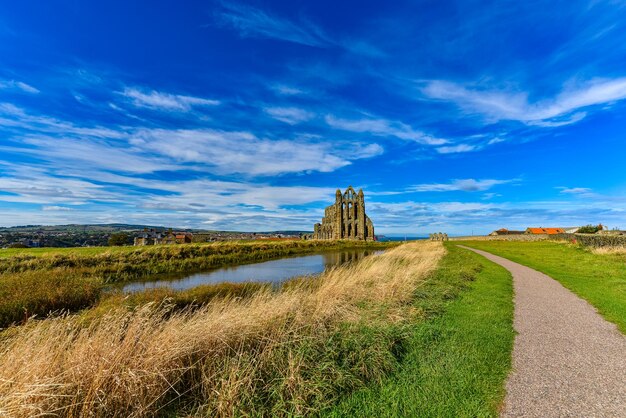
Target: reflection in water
{"points": [[274, 271]]}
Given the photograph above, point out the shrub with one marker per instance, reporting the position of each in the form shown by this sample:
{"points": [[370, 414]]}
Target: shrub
{"points": [[589, 229], [119, 239]]}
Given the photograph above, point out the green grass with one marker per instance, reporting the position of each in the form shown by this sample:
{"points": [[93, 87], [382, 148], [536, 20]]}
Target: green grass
{"points": [[457, 356], [598, 278]]}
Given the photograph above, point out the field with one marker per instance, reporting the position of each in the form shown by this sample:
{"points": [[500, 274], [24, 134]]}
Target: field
{"points": [[298, 350], [596, 275], [10, 252]]}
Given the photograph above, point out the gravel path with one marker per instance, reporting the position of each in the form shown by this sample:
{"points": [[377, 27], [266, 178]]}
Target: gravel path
{"points": [[568, 361]]}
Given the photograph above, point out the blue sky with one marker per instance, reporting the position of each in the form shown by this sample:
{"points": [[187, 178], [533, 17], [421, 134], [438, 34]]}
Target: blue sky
{"points": [[454, 116]]}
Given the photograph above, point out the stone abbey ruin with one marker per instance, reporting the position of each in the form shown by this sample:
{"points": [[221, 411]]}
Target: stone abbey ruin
{"points": [[346, 218]]}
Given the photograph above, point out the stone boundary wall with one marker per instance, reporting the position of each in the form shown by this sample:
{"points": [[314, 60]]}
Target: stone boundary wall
{"points": [[593, 240], [588, 240], [520, 237]]}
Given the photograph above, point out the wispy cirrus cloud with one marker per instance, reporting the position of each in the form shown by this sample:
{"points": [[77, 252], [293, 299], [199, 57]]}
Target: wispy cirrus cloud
{"points": [[18, 85], [575, 190], [165, 101], [566, 108], [465, 185], [47, 208], [229, 152], [455, 149], [26, 122], [383, 127], [287, 90], [253, 22], [290, 115], [149, 150]]}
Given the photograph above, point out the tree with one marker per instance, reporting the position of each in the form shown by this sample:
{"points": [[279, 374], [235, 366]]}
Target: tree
{"points": [[119, 239]]}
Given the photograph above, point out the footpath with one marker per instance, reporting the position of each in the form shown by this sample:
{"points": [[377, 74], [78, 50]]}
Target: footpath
{"points": [[568, 361]]}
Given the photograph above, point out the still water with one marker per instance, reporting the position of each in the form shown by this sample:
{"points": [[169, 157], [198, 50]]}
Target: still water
{"points": [[274, 271]]}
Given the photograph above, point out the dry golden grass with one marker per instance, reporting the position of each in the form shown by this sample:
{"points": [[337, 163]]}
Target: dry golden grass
{"points": [[274, 353], [609, 250]]}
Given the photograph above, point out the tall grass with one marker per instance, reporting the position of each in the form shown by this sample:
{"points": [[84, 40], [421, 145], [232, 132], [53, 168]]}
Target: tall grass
{"points": [[609, 250], [26, 294], [283, 353]]}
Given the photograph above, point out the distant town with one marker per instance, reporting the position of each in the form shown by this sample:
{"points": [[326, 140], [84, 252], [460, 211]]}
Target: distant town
{"points": [[35, 236]]}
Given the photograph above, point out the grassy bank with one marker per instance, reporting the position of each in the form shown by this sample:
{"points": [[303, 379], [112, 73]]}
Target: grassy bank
{"points": [[456, 363], [131, 263], [598, 276], [72, 280], [291, 352]]}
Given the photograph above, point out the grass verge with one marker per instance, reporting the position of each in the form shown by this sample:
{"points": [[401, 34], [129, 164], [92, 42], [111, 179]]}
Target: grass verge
{"points": [[599, 278], [455, 364]]}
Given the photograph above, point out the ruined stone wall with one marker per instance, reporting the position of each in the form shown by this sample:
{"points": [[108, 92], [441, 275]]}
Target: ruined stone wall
{"points": [[346, 218]]}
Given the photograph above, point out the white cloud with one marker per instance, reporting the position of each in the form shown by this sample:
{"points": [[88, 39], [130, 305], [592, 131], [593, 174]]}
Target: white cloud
{"points": [[290, 115], [498, 105], [575, 190], [12, 116], [288, 90], [13, 84], [229, 152], [143, 150], [489, 196], [496, 140], [56, 208], [466, 185], [383, 127], [37, 186], [453, 149], [165, 101]]}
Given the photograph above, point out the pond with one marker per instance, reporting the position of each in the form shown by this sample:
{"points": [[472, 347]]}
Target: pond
{"points": [[274, 271]]}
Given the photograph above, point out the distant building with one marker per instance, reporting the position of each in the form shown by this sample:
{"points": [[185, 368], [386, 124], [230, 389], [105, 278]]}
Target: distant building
{"points": [[183, 237], [504, 231], [155, 237], [544, 231]]}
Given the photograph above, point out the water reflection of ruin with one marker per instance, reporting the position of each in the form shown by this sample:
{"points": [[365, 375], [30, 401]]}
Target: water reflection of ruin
{"points": [[338, 258]]}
